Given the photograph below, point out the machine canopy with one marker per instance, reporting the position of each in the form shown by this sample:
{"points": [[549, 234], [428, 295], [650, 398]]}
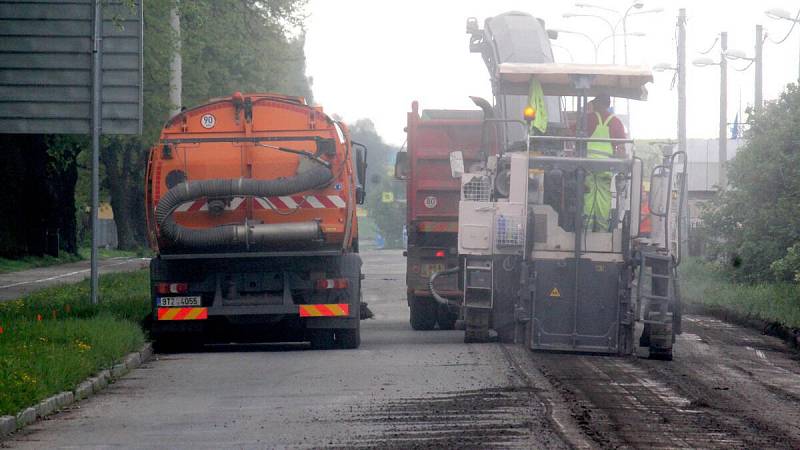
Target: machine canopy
{"points": [[575, 79]]}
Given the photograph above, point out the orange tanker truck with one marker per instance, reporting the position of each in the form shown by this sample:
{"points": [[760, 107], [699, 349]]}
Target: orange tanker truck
{"points": [[251, 210]]}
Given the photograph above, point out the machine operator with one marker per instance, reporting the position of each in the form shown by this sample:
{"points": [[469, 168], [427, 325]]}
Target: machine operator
{"points": [[603, 125]]}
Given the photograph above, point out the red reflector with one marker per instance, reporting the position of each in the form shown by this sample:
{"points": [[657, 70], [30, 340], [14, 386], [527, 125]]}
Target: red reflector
{"points": [[172, 288], [440, 253], [331, 283]]}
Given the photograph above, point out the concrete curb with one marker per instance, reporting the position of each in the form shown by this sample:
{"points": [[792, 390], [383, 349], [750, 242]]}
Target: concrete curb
{"points": [[87, 388]]}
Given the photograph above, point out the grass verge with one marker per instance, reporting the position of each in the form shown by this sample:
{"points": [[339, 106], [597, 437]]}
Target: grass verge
{"points": [[705, 284], [32, 262], [54, 338], [84, 253]]}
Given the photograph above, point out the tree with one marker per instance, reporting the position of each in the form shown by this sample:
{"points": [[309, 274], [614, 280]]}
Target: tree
{"points": [[755, 221], [227, 46], [388, 216]]}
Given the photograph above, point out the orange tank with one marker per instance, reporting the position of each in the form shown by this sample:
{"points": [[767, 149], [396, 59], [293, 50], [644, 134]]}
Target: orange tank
{"points": [[251, 209], [252, 172]]}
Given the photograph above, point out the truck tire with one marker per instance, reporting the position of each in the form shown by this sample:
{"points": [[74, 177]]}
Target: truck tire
{"points": [[350, 338], [422, 313], [321, 339], [446, 317], [477, 325]]}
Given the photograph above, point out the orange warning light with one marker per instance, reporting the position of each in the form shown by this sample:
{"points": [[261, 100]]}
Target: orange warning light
{"points": [[529, 113]]}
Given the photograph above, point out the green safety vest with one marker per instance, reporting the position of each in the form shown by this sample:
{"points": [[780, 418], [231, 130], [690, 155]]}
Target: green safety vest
{"points": [[600, 150]]}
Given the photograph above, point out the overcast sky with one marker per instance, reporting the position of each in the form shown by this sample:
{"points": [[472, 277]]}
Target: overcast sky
{"points": [[371, 58]]}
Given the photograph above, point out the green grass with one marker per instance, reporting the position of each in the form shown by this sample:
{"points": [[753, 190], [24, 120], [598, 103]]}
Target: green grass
{"points": [[84, 253], [705, 284], [105, 253], [55, 338], [32, 262]]}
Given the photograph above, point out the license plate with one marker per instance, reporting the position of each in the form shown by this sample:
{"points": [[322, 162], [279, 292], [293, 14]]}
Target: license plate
{"points": [[426, 270], [179, 301]]}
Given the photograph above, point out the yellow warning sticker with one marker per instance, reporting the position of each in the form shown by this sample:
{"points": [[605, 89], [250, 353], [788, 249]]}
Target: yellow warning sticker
{"points": [[555, 292]]}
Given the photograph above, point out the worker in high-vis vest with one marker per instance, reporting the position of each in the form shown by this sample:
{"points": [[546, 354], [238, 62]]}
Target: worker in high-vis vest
{"points": [[603, 125]]}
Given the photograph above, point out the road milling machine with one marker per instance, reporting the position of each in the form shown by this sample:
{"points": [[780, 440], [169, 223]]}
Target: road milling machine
{"points": [[533, 270]]}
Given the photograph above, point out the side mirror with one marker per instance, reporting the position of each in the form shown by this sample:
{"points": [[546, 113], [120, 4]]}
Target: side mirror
{"points": [[361, 172], [456, 164], [401, 168], [552, 34]]}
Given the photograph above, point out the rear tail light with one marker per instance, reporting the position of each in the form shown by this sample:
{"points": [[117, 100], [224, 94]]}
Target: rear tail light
{"points": [[332, 283], [440, 253], [172, 288]]}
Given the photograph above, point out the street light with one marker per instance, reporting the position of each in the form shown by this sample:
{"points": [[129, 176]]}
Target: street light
{"points": [[597, 44], [723, 103], [782, 14], [663, 67], [591, 5], [704, 62], [589, 38], [610, 27]]}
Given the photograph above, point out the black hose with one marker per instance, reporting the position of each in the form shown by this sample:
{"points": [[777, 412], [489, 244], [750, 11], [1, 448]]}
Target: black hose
{"points": [[238, 234], [435, 294]]}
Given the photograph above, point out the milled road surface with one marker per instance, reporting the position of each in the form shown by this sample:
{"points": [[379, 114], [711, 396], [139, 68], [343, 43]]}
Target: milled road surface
{"points": [[728, 387], [14, 285]]}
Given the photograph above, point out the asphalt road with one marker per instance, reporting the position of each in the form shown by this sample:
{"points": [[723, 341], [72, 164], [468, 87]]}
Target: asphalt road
{"points": [[728, 387], [400, 389], [17, 284]]}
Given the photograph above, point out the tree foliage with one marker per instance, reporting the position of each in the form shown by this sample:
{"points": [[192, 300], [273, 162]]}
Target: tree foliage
{"points": [[755, 221], [388, 216], [226, 46]]}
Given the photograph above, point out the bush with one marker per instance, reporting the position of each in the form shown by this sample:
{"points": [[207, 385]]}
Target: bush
{"points": [[754, 221]]}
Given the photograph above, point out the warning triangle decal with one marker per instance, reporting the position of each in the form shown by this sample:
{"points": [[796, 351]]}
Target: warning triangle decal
{"points": [[555, 292]]}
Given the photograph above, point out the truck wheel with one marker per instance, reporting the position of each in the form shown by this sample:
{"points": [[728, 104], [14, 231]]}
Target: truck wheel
{"points": [[446, 318], [423, 313], [477, 323], [321, 339], [348, 337]]}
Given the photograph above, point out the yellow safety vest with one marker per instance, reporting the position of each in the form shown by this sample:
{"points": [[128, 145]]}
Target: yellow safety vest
{"points": [[600, 150]]}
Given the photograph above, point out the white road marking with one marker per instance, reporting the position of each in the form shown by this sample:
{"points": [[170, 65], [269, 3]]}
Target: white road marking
{"points": [[65, 275]]}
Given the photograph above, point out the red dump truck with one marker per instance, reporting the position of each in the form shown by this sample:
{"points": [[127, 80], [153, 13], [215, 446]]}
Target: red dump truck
{"points": [[251, 210], [432, 213]]}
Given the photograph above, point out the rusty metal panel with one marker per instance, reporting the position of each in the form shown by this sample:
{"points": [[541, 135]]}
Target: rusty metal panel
{"points": [[46, 67]]}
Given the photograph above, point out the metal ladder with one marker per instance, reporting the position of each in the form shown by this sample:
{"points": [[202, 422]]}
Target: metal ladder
{"points": [[661, 302]]}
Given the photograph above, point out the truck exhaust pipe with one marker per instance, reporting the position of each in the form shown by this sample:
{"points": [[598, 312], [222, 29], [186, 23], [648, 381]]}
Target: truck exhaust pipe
{"points": [[436, 275]]}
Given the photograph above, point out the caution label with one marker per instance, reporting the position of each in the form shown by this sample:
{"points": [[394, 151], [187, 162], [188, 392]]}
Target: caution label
{"points": [[555, 292]]}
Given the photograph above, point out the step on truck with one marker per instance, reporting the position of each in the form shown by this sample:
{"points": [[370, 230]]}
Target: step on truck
{"points": [[251, 211]]}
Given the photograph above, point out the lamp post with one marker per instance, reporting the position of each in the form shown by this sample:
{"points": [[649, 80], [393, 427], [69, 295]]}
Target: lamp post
{"points": [[782, 14], [610, 27], [596, 45], [723, 104], [680, 69], [584, 35], [758, 60], [567, 50]]}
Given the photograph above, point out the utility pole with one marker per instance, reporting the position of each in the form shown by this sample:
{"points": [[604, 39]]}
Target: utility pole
{"points": [[723, 110], [682, 79], [97, 130], [759, 61], [176, 63]]}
